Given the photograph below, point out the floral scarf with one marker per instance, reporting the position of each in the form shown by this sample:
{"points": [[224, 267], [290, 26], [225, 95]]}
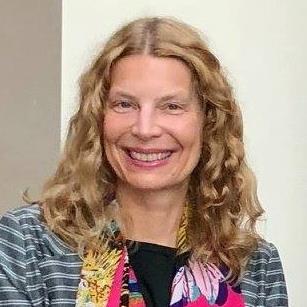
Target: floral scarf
{"points": [[107, 280]]}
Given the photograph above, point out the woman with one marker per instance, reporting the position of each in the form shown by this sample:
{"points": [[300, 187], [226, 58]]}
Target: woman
{"points": [[152, 203]]}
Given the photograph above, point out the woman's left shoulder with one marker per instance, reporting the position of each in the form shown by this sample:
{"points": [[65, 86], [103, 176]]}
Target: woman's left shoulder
{"points": [[264, 282], [264, 253]]}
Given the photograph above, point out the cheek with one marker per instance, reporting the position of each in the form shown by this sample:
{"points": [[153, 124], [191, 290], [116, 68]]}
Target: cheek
{"points": [[112, 128], [111, 135], [191, 133]]}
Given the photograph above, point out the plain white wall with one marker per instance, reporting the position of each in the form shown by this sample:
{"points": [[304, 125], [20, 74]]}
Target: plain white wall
{"points": [[262, 45]]}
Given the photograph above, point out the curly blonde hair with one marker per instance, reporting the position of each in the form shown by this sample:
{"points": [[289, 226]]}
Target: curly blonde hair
{"points": [[222, 190]]}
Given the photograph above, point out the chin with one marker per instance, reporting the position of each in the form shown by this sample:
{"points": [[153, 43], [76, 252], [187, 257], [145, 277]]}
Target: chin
{"points": [[152, 184], [148, 185]]}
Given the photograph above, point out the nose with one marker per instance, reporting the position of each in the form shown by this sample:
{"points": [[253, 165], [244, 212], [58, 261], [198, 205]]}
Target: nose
{"points": [[146, 125]]}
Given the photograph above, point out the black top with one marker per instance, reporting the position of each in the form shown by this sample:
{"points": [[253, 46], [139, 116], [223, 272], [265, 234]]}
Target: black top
{"points": [[155, 266]]}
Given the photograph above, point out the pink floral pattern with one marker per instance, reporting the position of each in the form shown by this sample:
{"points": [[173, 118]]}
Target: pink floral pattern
{"points": [[197, 284]]}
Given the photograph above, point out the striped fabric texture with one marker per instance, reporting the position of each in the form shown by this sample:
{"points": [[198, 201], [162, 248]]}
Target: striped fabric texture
{"points": [[38, 269]]}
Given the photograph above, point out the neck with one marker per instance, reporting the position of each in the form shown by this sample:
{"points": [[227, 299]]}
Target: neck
{"points": [[151, 216]]}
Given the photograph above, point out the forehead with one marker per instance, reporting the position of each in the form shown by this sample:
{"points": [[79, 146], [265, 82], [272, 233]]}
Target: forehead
{"points": [[150, 73]]}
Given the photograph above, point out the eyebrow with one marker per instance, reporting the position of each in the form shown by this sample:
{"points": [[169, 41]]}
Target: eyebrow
{"points": [[160, 99]]}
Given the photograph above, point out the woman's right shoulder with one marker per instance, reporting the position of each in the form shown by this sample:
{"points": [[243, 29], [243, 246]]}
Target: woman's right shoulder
{"points": [[30, 252], [16, 220], [23, 211], [20, 239], [22, 230]]}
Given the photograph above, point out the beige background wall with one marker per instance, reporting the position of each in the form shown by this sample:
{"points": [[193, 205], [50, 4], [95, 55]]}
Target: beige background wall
{"points": [[30, 87]]}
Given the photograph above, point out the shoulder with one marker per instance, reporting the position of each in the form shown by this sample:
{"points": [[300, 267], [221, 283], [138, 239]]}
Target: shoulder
{"points": [[266, 252], [264, 280], [19, 224], [33, 258], [23, 229], [13, 245], [14, 224], [26, 214], [265, 263]]}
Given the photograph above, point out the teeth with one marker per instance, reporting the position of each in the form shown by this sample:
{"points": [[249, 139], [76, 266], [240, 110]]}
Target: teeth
{"points": [[149, 157]]}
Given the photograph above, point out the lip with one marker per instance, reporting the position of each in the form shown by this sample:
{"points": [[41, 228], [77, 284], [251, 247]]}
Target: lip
{"points": [[146, 165], [148, 150]]}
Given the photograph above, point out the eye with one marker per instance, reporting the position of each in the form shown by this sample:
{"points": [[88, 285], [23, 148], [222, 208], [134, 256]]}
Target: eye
{"points": [[173, 108], [122, 106]]}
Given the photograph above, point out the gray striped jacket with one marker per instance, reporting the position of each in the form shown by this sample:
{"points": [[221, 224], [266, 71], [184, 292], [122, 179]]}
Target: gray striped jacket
{"points": [[38, 269]]}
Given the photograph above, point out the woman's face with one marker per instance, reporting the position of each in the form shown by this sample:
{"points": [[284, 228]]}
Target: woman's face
{"points": [[153, 123]]}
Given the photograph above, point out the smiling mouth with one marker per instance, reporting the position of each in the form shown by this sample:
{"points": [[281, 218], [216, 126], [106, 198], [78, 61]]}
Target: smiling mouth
{"points": [[148, 157]]}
